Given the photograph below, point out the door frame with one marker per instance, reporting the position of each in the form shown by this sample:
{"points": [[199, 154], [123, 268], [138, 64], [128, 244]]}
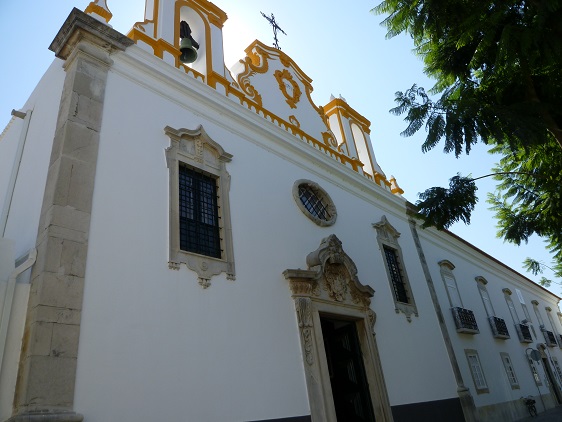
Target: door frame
{"points": [[330, 287]]}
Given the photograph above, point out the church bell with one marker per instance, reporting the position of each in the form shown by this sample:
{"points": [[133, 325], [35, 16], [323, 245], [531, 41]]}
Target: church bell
{"points": [[188, 52]]}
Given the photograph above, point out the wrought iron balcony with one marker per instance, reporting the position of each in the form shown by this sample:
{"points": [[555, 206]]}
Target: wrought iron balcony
{"points": [[499, 329], [524, 333], [549, 338], [465, 321]]}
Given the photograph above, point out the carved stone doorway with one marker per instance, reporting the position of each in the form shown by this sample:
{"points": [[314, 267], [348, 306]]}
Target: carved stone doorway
{"points": [[350, 389], [329, 293]]}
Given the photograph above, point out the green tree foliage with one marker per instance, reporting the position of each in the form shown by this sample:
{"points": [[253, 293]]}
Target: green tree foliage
{"points": [[529, 198], [498, 72]]}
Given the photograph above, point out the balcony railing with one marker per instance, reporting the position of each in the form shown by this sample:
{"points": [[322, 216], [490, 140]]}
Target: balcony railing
{"points": [[524, 333], [549, 338], [465, 321], [499, 328]]}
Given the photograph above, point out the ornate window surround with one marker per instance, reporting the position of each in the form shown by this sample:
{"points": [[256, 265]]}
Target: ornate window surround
{"points": [[197, 150], [388, 236], [322, 195], [330, 287]]}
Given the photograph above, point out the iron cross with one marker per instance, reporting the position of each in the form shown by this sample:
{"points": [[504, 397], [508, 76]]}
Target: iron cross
{"points": [[276, 28]]}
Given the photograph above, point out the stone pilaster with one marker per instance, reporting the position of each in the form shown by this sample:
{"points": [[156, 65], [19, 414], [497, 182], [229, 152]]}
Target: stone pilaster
{"points": [[465, 397], [46, 377]]}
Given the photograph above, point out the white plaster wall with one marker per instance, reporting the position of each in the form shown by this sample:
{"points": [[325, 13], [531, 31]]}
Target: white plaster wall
{"points": [[8, 147], [25, 210], [153, 335], [468, 265]]}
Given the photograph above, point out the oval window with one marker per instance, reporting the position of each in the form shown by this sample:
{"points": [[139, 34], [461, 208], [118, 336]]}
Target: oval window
{"points": [[314, 202]]}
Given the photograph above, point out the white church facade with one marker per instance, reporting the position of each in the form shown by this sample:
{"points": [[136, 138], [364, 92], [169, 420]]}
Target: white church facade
{"points": [[186, 242]]}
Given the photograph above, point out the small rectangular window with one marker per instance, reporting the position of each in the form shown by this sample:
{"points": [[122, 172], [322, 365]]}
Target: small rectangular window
{"points": [[476, 371], [198, 213], [509, 370], [534, 371], [395, 271]]}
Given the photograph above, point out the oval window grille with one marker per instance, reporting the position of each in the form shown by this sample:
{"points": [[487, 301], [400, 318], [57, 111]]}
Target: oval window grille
{"points": [[314, 202]]}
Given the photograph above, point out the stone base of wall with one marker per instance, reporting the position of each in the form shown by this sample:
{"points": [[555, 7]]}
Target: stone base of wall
{"points": [[47, 416], [439, 410], [512, 410]]}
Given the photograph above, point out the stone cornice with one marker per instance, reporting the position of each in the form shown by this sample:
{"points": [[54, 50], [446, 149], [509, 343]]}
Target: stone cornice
{"points": [[77, 26]]}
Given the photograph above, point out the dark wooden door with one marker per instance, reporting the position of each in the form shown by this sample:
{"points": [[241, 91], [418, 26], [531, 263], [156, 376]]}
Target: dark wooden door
{"points": [[350, 389]]}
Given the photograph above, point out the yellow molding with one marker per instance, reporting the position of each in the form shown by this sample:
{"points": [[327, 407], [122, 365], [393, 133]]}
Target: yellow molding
{"points": [[337, 105], [159, 46], [282, 76], [93, 7], [215, 78], [216, 15]]}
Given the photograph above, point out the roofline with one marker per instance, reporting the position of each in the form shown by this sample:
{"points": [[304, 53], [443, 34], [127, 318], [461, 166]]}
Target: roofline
{"points": [[411, 208], [497, 261]]}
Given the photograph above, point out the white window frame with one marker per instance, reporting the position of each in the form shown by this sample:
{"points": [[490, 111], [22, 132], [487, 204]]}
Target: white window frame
{"points": [[388, 236], [511, 306], [548, 310], [534, 371], [509, 370], [538, 314], [450, 282], [476, 371], [198, 151], [485, 296]]}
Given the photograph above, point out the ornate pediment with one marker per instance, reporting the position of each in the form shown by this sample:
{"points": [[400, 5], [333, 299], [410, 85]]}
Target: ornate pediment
{"points": [[331, 276], [275, 82]]}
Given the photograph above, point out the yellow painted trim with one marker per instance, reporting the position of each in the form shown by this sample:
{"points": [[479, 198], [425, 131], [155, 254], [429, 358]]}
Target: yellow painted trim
{"points": [[155, 17], [256, 60], [293, 120], [159, 47], [281, 77], [196, 7], [339, 105], [94, 7], [362, 127], [214, 78], [395, 189], [294, 130]]}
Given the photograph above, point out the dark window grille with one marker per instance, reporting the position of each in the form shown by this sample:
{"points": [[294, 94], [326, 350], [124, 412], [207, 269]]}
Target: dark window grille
{"points": [[499, 327], [198, 213], [550, 338], [398, 284], [314, 203], [464, 318], [525, 333]]}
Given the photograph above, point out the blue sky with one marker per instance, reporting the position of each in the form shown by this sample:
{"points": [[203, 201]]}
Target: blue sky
{"points": [[340, 45]]}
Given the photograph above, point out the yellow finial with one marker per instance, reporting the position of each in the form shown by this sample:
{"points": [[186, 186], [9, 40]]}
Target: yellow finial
{"points": [[394, 188], [99, 8]]}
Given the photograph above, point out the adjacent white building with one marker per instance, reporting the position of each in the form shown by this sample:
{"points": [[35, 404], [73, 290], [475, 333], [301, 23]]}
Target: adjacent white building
{"points": [[181, 241]]}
